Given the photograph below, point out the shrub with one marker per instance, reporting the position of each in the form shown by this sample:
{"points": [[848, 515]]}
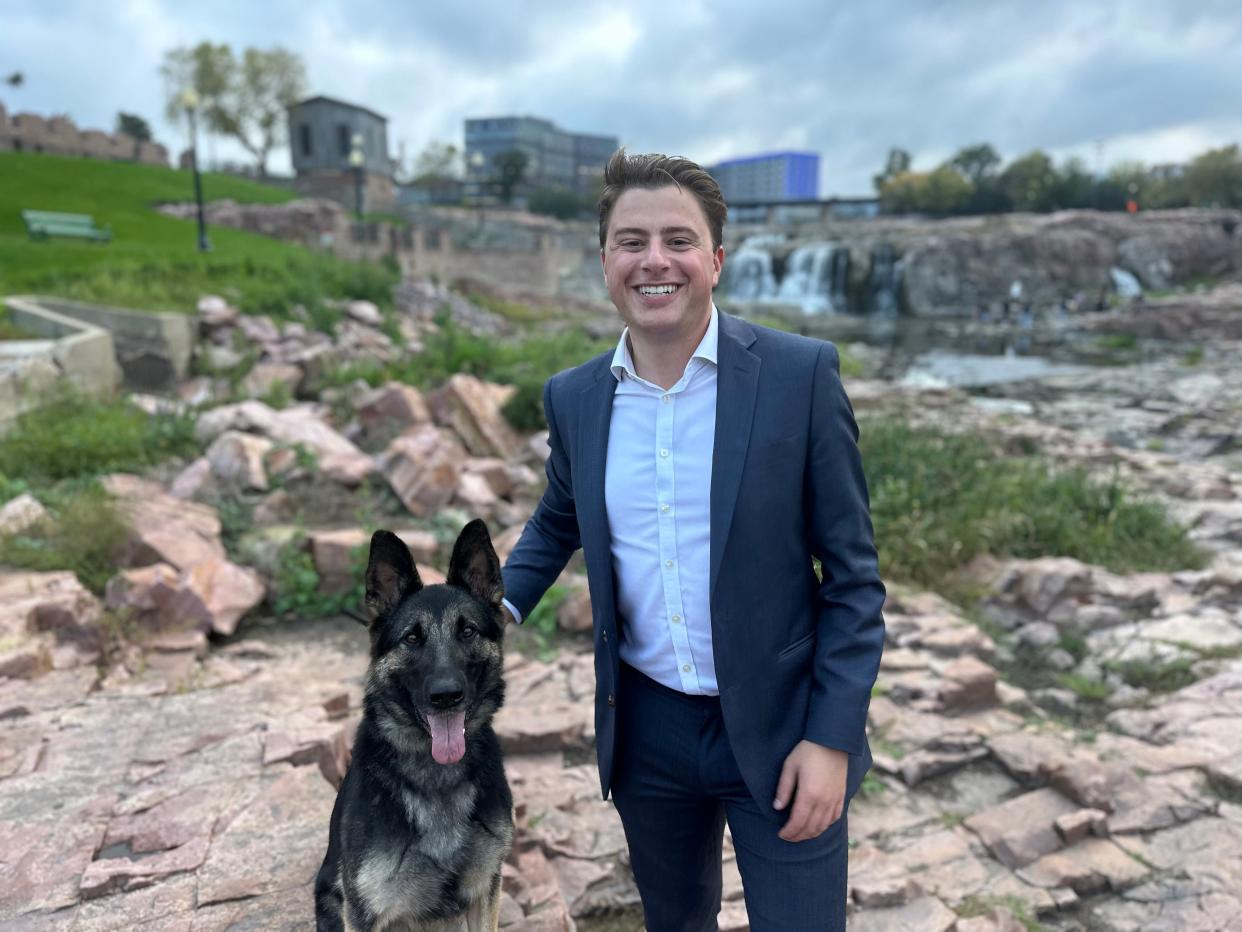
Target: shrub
{"points": [[84, 534], [937, 501]]}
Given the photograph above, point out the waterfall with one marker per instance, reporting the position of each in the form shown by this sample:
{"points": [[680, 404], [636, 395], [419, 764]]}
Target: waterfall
{"points": [[814, 279], [884, 280], [1125, 284], [750, 275]]}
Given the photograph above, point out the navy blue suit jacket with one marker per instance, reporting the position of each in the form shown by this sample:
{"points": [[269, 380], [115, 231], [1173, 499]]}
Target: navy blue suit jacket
{"points": [[795, 658]]}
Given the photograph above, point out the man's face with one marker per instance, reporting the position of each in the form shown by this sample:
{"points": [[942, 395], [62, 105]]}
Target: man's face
{"points": [[659, 263]]}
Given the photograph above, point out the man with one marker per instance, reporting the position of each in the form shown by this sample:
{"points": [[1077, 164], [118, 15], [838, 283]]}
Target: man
{"points": [[701, 466]]}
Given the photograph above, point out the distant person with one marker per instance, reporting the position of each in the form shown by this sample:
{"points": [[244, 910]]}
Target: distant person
{"points": [[1101, 303], [700, 466]]}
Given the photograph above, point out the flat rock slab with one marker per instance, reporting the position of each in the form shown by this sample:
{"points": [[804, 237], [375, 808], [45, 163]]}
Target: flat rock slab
{"points": [[273, 844], [1022, 829]]}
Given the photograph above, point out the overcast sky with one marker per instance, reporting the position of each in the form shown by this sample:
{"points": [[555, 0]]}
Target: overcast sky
{"points": [[1152, 80]]}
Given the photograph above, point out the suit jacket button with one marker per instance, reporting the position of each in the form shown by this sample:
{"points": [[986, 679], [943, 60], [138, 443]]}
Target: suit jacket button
{"points": [[604, 637], [611, 701]]}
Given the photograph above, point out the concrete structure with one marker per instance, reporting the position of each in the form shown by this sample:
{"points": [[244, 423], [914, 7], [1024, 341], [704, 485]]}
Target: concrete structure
{"points": [[554, 158], [773, 176], [71, 350], [784, 212], [321, 132], [29, 132]]}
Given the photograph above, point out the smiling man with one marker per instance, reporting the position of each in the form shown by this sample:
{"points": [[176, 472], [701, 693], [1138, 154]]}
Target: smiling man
{"points": [[702, 466]]}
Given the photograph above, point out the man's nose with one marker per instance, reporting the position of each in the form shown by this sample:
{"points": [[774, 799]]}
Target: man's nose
{"points": [[654, 257]]}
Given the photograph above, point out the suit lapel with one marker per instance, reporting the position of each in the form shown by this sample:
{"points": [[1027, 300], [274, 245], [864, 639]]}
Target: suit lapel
{"points": [[737, 381]]}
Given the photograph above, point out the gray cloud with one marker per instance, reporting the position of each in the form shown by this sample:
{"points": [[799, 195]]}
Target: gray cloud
{"points": [[1151, 79]]}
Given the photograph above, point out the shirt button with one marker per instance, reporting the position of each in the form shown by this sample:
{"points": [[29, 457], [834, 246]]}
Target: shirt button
{"points": [[685, 667], [676, 619], [668, 563], [664, 509], [664, 452], [666, 399]]}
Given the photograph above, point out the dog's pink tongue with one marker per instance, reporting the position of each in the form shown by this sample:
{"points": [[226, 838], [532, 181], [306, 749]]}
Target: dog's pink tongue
{"points": [[448, 736]]}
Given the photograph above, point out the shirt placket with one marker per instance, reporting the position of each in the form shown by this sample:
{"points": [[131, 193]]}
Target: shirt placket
{"points": [[670, 566]]}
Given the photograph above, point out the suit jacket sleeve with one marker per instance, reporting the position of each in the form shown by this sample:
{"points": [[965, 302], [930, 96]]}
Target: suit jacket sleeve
{"points": [[851, 596], [551, 535]]}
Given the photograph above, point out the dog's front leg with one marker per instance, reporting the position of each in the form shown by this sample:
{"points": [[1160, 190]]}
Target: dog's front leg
{"points": [[484, 914]]}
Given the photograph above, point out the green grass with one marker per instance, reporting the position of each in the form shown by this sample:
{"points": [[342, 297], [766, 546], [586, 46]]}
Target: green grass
{"points": [[1085, 688], [152, 262], [73, 437], [977, 905], [1158, 676], [938, 501]]}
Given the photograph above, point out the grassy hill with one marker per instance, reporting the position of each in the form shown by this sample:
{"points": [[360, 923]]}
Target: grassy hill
{"points": [[152, 261]]}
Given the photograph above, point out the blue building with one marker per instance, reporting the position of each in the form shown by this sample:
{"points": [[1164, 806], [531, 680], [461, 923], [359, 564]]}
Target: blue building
{"points": [[770, 177]]}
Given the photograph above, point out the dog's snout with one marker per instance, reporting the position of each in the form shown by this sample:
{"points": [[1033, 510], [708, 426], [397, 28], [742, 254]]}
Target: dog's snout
{"points": [[445, 693]]}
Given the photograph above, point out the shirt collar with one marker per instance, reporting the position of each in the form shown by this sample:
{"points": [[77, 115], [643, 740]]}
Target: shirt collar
{"points": [[623, 363]]}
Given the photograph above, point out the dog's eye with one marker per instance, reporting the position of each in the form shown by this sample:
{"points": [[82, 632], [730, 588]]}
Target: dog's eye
{"points": [[415, 637], [467, 631]]}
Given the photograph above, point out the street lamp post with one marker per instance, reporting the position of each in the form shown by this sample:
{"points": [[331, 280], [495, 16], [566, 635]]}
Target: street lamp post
{"points": [[189, 100], [357, 159]]}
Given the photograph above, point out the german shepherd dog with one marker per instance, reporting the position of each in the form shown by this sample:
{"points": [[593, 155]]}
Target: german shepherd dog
{"points": [[424, 816]]}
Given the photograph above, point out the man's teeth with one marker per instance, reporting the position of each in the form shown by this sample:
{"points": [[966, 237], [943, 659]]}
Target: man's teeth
{"points": [[656, 289]]}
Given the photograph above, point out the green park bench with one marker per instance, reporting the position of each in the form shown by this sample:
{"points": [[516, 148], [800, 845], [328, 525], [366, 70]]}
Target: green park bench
{"points": [[40, 224]]}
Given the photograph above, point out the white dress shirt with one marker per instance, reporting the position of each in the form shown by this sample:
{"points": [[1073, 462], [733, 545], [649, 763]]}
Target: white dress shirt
{"points": [[657, 488]]}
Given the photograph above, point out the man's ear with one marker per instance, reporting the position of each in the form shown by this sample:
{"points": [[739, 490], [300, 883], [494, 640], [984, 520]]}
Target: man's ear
{"points": [[474, 565], [391, 575]]}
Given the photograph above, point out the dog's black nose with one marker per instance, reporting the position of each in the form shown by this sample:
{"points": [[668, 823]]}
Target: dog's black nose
{"points": [[445, 694]]}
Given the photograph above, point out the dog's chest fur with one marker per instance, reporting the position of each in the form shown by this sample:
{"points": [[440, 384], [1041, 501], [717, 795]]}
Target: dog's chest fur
{"points": [[445, 845]]}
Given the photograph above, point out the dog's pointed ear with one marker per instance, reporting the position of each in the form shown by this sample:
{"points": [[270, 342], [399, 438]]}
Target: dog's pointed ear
{"points": [[391, 575], [475, 566]]}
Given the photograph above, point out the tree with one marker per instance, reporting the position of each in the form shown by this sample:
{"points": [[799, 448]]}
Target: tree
{"points": [[555, 202], [938, 193], [1030, 181], [975, 163], [136, 128], [1075, 186], [437, 162], [510, 169], [16, 79], [245, 100], [1214, 179], [898, 161]]}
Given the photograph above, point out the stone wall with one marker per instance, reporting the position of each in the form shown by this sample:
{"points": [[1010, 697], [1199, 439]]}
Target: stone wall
{"points": [[29, 132], [543, 261]]}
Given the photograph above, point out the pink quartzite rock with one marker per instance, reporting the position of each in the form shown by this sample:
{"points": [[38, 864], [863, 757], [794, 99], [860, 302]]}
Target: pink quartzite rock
{"points": [[20, 513], [392, 407], [275, 843], [218, 593], [237, 460], [1022, 830], [968, 683], [163, 528], [422, 466], [471, 408]]}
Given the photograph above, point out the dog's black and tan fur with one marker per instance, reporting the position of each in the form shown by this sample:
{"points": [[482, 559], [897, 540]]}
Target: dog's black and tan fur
{"points": [[424, 817]]}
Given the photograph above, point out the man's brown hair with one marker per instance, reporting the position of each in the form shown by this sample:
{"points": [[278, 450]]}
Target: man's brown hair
{"points": [[660, 171]]}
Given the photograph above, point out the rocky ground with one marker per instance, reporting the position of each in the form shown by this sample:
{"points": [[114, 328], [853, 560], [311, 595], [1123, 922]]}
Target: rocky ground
{"points": [[168, 753]]}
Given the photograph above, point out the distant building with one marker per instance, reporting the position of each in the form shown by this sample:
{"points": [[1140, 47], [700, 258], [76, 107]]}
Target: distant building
{"points": [[321, 138], [774, 176], [554, 158], [29, 132]]}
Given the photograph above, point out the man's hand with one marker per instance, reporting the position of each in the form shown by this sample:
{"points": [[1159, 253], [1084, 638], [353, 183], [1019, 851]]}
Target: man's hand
{"points": [[507, 615], [814, 778]]}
